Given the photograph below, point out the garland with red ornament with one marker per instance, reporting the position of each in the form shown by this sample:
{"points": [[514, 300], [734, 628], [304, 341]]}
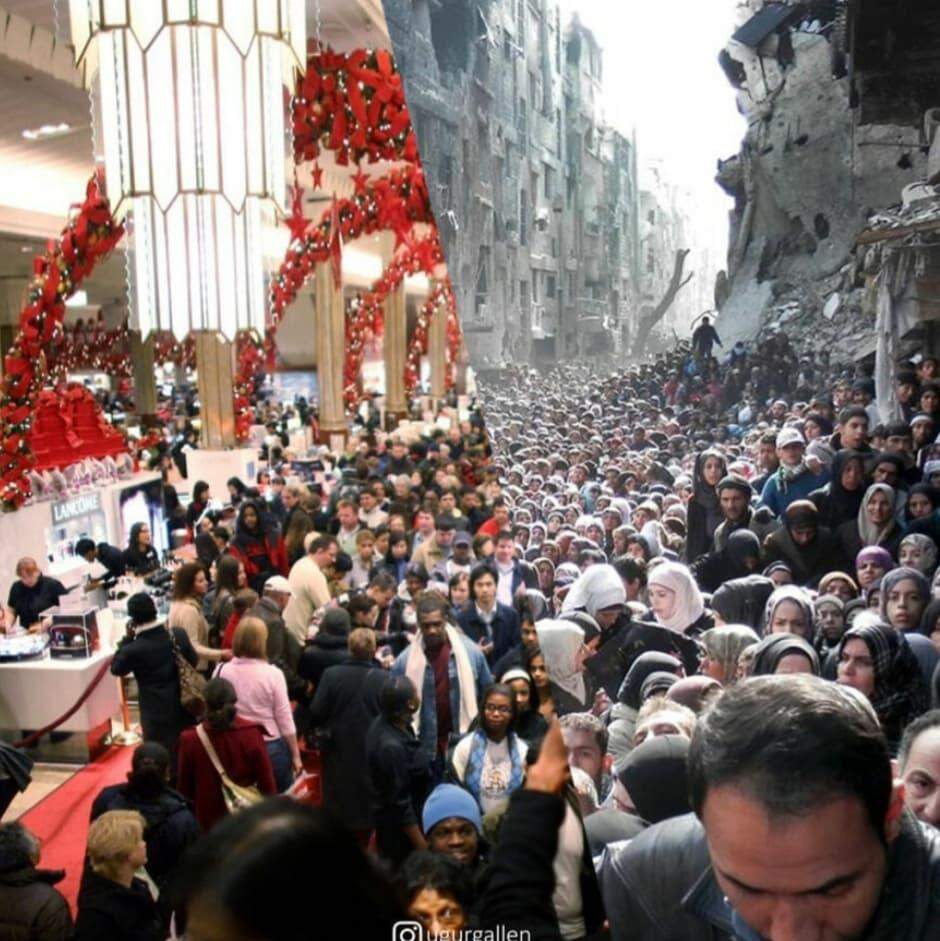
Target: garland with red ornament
{"points": [[89, 347], [440, 302], [352, 104], [249, 374], [393, 202], [90, 235], [365, 313]]}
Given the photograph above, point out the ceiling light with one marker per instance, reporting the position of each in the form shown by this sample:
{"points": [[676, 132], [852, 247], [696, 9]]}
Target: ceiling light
{"points": [[46, 131]]}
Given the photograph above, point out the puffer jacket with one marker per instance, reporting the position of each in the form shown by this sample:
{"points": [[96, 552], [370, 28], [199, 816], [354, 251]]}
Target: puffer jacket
{"points": [[31, 908], [661, 885]]}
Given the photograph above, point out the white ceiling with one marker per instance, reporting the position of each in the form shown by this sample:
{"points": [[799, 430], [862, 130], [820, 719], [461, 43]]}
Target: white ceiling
{"points": [[31, 211]]}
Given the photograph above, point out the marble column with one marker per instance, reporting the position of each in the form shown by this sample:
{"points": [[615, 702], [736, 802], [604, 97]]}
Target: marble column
{"points": [[215, 369], [437, 351], [395, 347], [331, 355], [145, 377]]}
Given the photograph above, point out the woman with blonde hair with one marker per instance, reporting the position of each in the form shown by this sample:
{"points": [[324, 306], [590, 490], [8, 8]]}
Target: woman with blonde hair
{"points": [[262, 697], [112, 902]]}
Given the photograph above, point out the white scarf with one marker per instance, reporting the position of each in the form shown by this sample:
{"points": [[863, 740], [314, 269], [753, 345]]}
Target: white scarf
{"points": [[689, 606], [417, 663]]}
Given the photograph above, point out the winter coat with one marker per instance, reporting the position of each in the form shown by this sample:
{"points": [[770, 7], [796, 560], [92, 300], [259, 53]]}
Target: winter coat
{"points": [[243, 754], [808, 563], [149, 656], [661, 885], [344, 707], [521, 881], [171, 825], [109, 911], [503, 630], [31, 908], [778, 496], [324, 651]]}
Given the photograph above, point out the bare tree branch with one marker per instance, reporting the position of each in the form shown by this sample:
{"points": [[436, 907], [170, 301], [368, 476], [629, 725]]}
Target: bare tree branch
{"points": [[676, 284]]}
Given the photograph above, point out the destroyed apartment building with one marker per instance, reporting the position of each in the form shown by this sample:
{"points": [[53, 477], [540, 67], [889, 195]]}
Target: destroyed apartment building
{"points": [[842, 99], [536, 196]]}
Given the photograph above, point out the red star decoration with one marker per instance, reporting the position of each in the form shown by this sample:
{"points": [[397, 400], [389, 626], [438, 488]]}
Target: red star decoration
{"points": [[296, 221], [360, 179], [317, 175]]}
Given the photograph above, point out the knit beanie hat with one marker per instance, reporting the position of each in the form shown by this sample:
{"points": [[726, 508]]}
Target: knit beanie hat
{"points": [[449, 800]]}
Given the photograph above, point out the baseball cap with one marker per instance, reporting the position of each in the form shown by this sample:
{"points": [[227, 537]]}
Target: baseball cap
{"points": [[462, 538], [788, 436], [278, 583]]}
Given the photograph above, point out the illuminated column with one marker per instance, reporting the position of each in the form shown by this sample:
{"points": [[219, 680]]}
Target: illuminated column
{"points": [[215, 367], [331, 354]]}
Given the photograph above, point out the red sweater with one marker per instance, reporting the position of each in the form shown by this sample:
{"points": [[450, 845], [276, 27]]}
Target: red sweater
{"points": [[243, 755]]}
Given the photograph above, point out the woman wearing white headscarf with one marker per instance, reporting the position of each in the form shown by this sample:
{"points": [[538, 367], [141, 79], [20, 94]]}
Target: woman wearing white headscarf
{"points": [[789, 610], [676, 600], [599, 591], [919, 552], [876, 524], [562, 646]]}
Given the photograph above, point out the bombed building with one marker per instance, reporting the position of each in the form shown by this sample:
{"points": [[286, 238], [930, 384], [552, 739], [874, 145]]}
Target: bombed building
{"points": [[841, 99], [537, 198]]}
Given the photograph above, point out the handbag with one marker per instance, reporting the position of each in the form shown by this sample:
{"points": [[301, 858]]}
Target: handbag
{"points": [[192, 682], [236, 796]]}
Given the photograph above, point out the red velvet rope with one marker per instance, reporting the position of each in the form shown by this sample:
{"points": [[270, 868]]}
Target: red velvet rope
{"points": [[34, 737]]}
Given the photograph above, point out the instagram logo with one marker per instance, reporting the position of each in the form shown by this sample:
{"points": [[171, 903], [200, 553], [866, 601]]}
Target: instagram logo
{"points": [[407, 931]]}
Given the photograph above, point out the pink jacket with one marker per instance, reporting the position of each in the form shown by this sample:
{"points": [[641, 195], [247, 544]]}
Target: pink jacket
{"points": [[262, 695]]}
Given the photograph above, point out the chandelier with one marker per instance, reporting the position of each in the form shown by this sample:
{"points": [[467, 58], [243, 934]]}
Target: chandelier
{"points": [[188, 109]]}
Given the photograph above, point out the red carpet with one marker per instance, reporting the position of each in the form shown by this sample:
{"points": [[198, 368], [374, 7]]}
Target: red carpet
{"points": [[60, 820]]}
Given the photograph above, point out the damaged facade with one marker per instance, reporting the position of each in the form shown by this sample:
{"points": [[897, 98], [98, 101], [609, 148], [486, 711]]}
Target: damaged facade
{"points": [[536, 197], [840, 98]]}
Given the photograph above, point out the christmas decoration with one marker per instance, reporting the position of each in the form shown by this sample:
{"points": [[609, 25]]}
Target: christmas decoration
{"points": [[352, 104], [89, 236], [249, 374], [392, 202], [440, 302], [89, 347], [68, 426]]}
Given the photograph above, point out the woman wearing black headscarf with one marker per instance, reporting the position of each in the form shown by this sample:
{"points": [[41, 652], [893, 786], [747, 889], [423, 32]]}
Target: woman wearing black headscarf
{"points": [[653, 779], [703, 515], [839, 500], [629, 699], [740, 557], [877, 660], [809, 549], [742, 601], [783, 654]]}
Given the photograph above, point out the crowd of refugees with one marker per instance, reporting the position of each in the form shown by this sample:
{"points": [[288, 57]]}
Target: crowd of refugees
{"points": [[660, 665]]}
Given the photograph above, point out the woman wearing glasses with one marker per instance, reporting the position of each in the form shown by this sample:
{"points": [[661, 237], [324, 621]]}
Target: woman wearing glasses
{"points": [[490, 760]]}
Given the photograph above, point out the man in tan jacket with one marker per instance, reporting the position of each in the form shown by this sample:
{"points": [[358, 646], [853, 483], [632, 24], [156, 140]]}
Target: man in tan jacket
{"points": [[437, 549], [308, 585]]}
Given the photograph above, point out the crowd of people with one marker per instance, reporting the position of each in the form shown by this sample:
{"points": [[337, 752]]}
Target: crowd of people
{"points": [[646, 656]]}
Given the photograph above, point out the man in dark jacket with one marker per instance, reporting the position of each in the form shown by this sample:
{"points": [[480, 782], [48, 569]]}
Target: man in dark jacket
{"points": [[494, 626], [31, 908], [328, 648], [346, 703], [799, 830]]}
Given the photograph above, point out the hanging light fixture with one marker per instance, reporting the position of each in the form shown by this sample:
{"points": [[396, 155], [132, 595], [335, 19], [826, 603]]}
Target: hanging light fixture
{"points": [[189, 108]]}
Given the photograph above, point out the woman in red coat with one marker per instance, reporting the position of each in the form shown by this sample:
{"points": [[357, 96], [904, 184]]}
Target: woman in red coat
{"points": [[241, 750], [260, 549]]}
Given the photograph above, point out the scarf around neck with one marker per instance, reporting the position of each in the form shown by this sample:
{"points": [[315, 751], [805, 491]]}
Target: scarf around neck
{"points": [[417, 664]]}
